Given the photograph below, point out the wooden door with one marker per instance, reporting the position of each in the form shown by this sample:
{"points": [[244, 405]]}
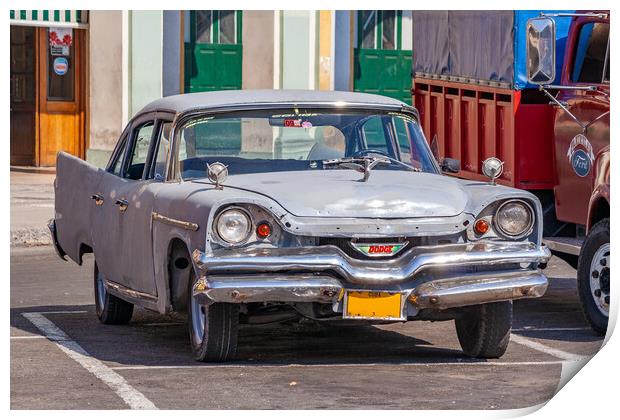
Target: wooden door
{"points": [[23, 95], [61, 97]]}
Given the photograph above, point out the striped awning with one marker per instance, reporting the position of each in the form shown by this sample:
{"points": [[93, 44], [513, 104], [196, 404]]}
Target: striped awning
{"points": [[62, 18]]}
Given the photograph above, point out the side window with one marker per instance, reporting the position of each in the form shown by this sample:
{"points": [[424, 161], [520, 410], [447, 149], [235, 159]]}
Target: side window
{"points": [[116, 166], [158, 170], [374, 135], [402, 137], [590, 54], [141, 144]]}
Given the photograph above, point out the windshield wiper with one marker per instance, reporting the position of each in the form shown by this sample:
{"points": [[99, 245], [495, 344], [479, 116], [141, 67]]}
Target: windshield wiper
{"points": [[364, 164]]}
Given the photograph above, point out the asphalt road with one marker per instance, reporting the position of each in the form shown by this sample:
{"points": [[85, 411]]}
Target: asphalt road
{"points": [[63, 358]]}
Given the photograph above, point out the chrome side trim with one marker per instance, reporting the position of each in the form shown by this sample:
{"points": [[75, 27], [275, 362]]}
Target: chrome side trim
{"points": [[329, 258], [130, 293], [174, 222]]}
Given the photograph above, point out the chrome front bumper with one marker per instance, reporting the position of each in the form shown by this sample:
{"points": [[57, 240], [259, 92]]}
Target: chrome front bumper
{"points": [[440, 277]]}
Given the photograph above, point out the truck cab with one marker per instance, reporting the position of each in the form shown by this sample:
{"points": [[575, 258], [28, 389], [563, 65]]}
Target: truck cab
{"points": [[580, 148]]}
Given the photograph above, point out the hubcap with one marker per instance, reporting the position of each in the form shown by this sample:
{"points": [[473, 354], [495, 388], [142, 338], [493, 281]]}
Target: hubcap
{"points": [[599, 278], [198, 321], [100, 292]]}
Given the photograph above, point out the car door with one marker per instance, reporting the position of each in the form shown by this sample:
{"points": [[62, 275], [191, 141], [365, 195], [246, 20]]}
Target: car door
{"points": [[144, 182], [116, 188]]}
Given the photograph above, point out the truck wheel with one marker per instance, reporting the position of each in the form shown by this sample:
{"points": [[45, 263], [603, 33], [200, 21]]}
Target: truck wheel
{"points": [[111, 310], [213, 329], [593, 276], [484, 330]]}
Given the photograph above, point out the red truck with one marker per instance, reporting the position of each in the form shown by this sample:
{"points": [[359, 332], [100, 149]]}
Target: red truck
{"points": [[545, 117]]}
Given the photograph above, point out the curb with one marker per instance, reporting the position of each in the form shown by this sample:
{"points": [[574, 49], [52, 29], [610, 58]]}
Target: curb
{"points": [[34, 169], [30, 237]]}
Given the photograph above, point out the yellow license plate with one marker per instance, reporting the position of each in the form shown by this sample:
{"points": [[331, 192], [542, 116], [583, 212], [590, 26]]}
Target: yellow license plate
{"points": [[372, 305]]}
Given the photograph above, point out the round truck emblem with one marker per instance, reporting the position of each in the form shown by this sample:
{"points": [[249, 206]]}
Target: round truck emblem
{"points": [[580, 155]]}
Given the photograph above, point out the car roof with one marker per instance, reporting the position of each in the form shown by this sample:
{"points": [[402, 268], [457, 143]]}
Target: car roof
{"points": [[228, 98]]}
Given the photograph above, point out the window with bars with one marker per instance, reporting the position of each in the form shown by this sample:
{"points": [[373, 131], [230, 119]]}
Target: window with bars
{"points": [[217, 27], [379, 29]]}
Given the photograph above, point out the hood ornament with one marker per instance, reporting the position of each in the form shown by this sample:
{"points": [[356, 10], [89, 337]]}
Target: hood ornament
{"points": [[362, 165], [217, 173]]}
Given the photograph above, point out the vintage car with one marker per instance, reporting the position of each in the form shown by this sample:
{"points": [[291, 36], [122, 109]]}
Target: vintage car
{"points": [[262, 206]]}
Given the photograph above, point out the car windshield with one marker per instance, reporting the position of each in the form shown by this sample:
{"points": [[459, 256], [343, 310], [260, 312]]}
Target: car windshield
{"points": [[300, 139]]}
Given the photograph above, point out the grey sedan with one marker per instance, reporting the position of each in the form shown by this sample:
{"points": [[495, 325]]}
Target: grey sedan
{"points": [[264, 206]]}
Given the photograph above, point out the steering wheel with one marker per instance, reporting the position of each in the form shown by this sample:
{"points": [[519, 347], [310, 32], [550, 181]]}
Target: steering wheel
{"points": [[364, 152]]}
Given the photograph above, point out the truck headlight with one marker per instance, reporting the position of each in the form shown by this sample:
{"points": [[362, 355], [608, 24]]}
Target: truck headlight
{"points": [[233, 226], [514, 218]]}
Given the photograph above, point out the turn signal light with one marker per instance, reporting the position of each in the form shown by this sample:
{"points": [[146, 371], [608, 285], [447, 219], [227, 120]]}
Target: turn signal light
{"points": [[263, 230], [481, 226]]}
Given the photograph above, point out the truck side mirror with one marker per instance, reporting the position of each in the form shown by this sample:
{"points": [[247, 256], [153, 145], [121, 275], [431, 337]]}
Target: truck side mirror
{"points": [[540, 50]]}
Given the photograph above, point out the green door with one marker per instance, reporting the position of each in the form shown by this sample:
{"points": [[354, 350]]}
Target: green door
{"points": [[380, 65], [213, 55]]}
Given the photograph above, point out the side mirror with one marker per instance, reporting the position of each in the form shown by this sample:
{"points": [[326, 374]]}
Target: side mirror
{"points": [[451, 165], [540, 50]]}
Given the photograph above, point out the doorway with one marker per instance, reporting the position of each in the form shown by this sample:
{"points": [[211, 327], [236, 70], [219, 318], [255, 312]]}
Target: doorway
{"points": [[381, 64], [213, 52], [23, 95], [47, 94]]}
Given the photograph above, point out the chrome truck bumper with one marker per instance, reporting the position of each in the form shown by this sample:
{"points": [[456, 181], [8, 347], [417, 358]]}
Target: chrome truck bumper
{"points": [[439, 277]]}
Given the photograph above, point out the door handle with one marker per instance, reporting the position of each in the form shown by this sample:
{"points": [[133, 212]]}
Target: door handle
{"points": [[122, 204], [98, 199]]}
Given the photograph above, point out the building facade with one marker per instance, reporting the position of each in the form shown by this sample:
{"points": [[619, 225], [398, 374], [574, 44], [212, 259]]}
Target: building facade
{"points": [[118, 61]]}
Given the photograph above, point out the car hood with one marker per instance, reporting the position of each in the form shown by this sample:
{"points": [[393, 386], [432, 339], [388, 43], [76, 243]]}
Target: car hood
{"points": [[339, 193]]}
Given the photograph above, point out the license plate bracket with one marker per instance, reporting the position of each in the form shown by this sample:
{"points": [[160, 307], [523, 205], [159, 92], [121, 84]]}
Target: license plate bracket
{"points": [[373, 305]]}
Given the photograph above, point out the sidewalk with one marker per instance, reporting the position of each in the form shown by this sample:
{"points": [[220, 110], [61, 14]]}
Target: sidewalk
{"points": [[32, 205]]}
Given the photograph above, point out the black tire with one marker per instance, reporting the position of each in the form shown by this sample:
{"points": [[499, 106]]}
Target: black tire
{"points": [[484, 330], [111, 310], [220, 326], [593, 277]]}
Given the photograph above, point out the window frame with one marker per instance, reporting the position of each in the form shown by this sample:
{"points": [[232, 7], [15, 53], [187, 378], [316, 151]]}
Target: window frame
{"points": [[119, 149], [378, 30], [136, 126], [215, 27], [155, 148]]}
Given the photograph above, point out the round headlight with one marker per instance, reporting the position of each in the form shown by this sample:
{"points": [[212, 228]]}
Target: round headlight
{"points": [[233, 226], [514, 218]]}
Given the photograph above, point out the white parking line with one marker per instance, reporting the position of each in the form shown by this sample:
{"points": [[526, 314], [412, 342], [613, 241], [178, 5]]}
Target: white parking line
{"points": [[330, 365], [26, 337], [560, 354], [134, 398], [160, 324], [551, 329]]}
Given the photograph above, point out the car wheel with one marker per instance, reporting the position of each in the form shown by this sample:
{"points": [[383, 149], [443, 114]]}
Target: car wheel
{"points": [[213, 329], [484, 330], [110, 309], [593, 276]]}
